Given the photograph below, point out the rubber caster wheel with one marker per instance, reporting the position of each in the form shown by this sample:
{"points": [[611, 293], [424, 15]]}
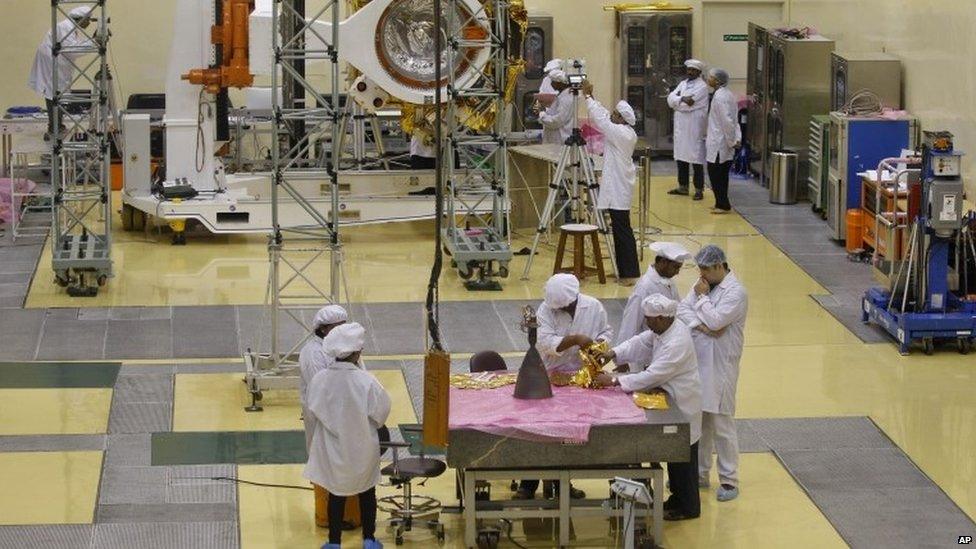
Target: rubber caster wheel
{"points": [[179, 239], [440, 534], [964, 345], [503, 271], [102, 280], [60, 281], [399, 540], [928, 346], [513, 486]]}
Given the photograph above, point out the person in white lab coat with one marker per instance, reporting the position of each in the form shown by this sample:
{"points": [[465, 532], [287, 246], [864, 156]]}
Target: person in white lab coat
{"points": [[715, 310], [658, 280], [312, 359], [689, 100], [665, 356], [545, 87], [617, 180], [42, 71], [348, 406], [568, 322], [724, 136], [557, 118]]}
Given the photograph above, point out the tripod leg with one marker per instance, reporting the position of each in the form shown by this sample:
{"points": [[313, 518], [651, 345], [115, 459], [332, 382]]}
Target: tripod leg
{"points": [[547, 212], [601, 222]]}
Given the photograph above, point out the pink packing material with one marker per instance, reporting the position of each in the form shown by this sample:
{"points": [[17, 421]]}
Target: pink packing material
{"points": [[8, 209], [593, 137], [566, 417]]}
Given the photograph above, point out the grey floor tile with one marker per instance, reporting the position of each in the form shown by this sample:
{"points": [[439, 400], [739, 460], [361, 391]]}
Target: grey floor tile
{"points": [[13, 302], [68, 313], [209, 535], [66, 339], [94, 313], [143, 388], [197, 484], [215, 368], [254, 328], [749, 441], [166, 512], [820, 433], [853, 469], [398, 328], [894, 517], [51, 443], [205, 332], [128, 450], [139, 339], [47, 536], [510, 313], [473, 326], [140, 417], [21, 329], [155, 313], [122, 485], [22, 278]]}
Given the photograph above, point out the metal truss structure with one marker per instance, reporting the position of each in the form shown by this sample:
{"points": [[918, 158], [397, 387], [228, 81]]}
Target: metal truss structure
{"points": [[80, 155], [306, 259], [475, 161]]}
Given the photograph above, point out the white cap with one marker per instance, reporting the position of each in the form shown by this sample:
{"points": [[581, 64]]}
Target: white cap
{"points": [[559, 75], [552, 65], [670, 250], [561, 290], [627, 112], [344, 340], [330, 314], [695, 64], [658, 305], [81, 12]]}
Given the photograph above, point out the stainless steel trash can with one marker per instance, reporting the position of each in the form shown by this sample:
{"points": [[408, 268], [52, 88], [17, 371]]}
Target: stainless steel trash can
{"points": [[782, 177]]}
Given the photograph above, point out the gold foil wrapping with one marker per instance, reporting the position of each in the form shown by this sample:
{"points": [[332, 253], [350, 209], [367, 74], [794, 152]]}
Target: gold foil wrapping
{"points": [[653, 400], [585, 377], [484, 380]]}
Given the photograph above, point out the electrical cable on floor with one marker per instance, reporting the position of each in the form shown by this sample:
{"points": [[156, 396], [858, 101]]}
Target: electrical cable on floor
{"points": [[508, 534], [251, 483]]}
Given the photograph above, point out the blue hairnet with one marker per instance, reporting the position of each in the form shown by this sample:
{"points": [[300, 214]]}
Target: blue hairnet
{"points": [[709, 256]]}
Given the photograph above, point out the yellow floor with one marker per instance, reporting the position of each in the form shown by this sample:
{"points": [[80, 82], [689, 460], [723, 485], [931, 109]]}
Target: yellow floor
{"points": [[54, 411], [772, 512], [215, 402], [48, 487]]}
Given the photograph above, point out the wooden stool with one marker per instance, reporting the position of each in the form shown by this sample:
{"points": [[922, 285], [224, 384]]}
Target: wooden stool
{"points": [[580, 231]]}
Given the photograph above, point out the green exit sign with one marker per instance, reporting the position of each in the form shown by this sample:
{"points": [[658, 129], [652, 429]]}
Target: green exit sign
{"points": [[735, 37]]}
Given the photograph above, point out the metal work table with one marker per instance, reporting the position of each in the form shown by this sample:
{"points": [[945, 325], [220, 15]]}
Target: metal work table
{"points": [[11, 126], [612, 450]]}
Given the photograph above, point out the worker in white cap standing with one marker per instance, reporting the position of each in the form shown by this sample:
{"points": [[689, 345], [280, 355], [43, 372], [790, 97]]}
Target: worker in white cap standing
{"points": [[545, 87], [617, 180], [71, 35], [689, 100], [715, 309], [557, 118], [658, 280], [724, 137], [665, 357], [348, 407], [568, 321]]}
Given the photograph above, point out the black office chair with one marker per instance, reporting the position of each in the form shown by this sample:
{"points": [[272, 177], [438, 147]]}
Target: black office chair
{"points": [[406, 508]]}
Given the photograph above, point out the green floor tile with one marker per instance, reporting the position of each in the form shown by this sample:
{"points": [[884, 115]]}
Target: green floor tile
{"points": [[250, 447], [58, 375]]}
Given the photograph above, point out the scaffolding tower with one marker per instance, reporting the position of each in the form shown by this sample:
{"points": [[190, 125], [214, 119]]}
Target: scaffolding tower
{"points": [[305, 259], [80, 151], [475, 155]]}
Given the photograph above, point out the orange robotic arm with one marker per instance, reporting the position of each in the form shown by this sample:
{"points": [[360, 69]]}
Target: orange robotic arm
{"points": [[234, 71]]}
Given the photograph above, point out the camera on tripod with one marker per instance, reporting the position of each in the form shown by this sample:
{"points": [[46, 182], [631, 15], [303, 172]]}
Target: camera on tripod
{"points": [[578, 76]]}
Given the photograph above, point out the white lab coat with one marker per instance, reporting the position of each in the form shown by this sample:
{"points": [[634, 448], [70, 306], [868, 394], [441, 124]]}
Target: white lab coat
{"points": [[723, 126], [590, 320], [669, 362], [557, 119], [546, 86], [348, 405], [311, 360], [650, 284], [690, 121], [418, 148], [725, 306], [42, 71], [619, 172]]}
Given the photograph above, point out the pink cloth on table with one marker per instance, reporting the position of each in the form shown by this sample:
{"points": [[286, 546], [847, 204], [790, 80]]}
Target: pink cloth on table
{"points": [[567, 416], [9, 207]]}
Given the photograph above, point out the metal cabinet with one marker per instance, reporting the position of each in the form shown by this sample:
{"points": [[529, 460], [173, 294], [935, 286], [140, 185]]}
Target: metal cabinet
{"points": [[653, 45], [537, 51], [853, 72], [858, 144]]}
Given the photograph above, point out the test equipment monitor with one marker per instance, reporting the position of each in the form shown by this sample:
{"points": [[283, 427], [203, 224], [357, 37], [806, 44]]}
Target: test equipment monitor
{"points": [[537, 51]]}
